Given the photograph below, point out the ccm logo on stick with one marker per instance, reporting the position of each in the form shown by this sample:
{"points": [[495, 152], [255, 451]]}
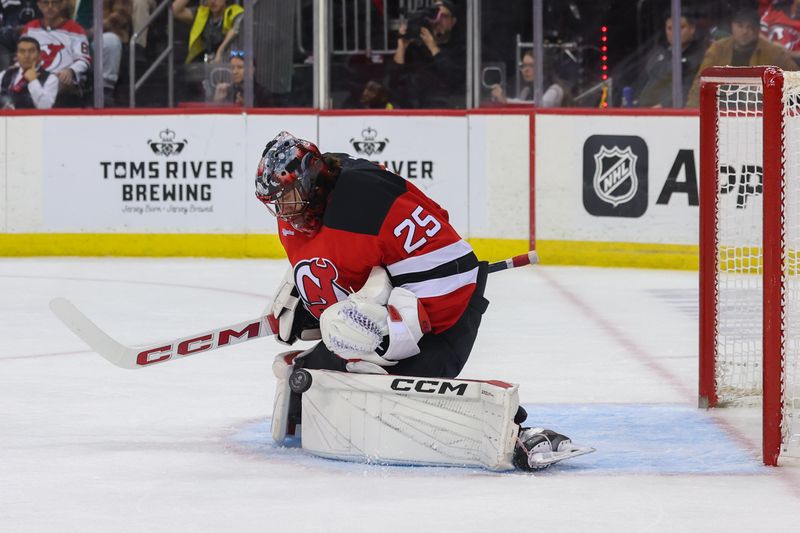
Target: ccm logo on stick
{"points": [[428, 386], [198, 344]]}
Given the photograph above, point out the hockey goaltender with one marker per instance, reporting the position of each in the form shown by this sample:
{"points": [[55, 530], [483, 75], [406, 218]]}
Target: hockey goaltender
{"points": [[396, 295]]}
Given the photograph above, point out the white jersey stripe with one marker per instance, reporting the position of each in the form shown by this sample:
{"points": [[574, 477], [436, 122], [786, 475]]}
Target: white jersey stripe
{"points": [[424, 262], [441, 286]]}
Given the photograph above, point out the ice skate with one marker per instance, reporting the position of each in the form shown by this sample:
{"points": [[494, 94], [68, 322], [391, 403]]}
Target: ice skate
{"points": [[538, 448]]}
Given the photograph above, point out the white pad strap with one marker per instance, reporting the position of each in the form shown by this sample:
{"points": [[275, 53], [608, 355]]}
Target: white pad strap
{"points": [[282, 367], [407, 322], [407, 420]]}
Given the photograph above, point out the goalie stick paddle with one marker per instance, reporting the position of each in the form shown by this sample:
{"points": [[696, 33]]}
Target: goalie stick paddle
{"points": [[131, 357]]}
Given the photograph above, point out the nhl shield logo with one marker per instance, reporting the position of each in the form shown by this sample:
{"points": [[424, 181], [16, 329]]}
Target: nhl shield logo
{"points": [[615, 169], [615, 179]]}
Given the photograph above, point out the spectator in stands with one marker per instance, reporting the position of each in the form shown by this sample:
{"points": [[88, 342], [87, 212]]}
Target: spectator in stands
{"points": [[233, 92], [657, 85], [141, 12], [429, 66], [64, 50], [375, 96], [214, 26], [14, 15], [745, 47], [117, 16], [780, 24], [27, 85], [553, 93]]}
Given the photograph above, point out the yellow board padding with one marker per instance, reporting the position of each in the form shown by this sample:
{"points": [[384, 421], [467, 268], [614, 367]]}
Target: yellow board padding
{"points": [[139, 245], [619, 254], [607, 254], [498, 249], [187, 245]]}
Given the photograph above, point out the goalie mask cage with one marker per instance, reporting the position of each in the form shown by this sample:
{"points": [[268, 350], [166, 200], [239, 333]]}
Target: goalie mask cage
{"points": [[749, 246]]}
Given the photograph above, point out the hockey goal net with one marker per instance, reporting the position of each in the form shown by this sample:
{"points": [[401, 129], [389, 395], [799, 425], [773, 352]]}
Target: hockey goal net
{"points": [[749, 246]]}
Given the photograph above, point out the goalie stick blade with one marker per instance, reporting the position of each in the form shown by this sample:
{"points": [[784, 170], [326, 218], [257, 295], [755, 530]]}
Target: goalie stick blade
{"points": [[92, 335], [137, 357]]}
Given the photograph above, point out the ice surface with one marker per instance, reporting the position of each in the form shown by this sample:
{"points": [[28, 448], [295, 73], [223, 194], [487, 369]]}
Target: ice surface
{"points": [[607, 356]]}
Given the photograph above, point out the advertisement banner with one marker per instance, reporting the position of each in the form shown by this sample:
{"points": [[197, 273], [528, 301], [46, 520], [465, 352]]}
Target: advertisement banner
{"points": [[617, 178], [131, 174], [426, 150]]}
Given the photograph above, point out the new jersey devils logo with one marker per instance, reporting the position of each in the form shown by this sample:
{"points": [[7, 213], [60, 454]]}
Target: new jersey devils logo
{"points": [[49, 53], [315, 280]]}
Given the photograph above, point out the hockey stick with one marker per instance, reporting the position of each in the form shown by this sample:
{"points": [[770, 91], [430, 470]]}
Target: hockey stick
{"points": [[131, 357], [529, 258], [137, 357]]}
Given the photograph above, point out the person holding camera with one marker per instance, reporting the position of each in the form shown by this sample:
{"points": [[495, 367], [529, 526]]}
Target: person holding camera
{"points": [[429, 66], [27, 85]]}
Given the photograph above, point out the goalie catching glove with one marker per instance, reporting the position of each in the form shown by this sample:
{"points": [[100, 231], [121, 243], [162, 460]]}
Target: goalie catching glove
{"points": [[376, 326], [294, 320]]}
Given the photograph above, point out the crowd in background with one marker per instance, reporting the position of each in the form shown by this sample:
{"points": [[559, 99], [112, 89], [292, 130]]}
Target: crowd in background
{"points": [[47, 52]]}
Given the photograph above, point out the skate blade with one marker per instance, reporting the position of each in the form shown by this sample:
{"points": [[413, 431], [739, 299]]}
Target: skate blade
{"points": [[539, 460]]}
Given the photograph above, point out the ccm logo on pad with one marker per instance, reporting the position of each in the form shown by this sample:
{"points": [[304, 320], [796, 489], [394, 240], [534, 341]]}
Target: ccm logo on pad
{"points": [[429, 386]]}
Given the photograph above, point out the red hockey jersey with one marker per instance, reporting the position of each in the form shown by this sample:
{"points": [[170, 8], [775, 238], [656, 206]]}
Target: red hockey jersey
{"points": [[780, 28], [376, 218]]}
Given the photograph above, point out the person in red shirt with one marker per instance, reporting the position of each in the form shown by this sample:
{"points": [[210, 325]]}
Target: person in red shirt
{"points": [[377, 272], [780, 24]]}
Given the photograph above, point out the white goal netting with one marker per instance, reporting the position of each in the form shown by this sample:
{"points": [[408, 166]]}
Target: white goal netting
{"points": [[791, 276], [739, 223]]}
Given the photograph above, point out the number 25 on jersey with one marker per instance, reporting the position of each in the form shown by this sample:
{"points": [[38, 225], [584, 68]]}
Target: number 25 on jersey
{"points": [[415, 227]]}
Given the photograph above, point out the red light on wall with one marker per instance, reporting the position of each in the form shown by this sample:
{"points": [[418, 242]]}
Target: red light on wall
{"points": [[604, 54]]}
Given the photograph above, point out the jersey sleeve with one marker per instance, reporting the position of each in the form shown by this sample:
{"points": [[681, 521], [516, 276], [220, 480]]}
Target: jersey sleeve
{"points": [[424, 254], [79, 44]]}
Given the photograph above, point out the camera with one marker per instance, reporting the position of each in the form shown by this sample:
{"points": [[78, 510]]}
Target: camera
{"points": [[422, 18]]}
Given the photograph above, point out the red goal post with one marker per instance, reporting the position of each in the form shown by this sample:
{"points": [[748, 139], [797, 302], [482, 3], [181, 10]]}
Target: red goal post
{"points": [[749, 243]]}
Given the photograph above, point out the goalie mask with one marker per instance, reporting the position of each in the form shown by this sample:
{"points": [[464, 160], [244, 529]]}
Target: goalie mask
{"points": [[286, 182]]}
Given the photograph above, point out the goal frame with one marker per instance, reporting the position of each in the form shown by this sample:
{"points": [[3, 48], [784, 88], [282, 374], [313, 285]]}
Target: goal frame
{"points": [[771, 79]]}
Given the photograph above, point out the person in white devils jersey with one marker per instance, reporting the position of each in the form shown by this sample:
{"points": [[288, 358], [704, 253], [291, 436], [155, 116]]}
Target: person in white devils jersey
{"points": [[64, 50], [377, 273]]}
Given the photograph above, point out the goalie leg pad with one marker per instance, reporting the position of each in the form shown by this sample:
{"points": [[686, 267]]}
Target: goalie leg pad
{"points": [[281, 420], [409, 420]]}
